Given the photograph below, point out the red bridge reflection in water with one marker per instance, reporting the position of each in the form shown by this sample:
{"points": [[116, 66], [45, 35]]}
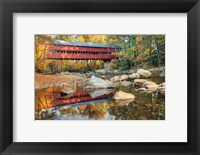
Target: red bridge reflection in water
{"points": [[59, 98]]}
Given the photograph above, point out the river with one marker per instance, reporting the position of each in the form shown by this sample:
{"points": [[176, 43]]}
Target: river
{"points": [[98, 104]]}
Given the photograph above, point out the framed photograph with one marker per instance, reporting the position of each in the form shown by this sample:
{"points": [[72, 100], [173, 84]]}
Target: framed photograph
{"points": [[99, 77], [88, 77]]}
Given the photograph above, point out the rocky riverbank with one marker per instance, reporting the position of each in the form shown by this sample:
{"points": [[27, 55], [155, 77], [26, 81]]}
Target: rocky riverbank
{"points": [[101, 79], [50, 81], [140, 81]]}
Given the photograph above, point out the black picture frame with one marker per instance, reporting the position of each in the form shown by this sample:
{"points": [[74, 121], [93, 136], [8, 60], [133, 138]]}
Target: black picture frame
{"points": [[8, 7]]}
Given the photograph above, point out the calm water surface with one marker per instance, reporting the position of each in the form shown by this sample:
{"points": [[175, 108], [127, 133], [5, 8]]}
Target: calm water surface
{"points": [[99, 105]]}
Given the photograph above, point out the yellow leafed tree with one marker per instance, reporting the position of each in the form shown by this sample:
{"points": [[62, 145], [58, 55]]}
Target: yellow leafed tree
{"points": [[80, 39]]}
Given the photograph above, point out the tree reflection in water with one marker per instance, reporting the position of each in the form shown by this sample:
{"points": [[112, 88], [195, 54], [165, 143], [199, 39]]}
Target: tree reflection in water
{"points": [[145, 107]]}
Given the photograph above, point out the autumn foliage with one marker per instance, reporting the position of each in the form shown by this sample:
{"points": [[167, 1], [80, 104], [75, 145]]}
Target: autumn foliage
{"points": [[136, 51]]}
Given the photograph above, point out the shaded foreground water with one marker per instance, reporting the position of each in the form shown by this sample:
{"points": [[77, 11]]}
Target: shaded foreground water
{"points": [[53, 104]]}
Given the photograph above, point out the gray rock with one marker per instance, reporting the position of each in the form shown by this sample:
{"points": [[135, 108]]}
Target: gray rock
{"points": [[150, 86], [120, 95], [139, 82], [65, 73], [102, 71], [115, 79], [133, 76], [124, 77], [126, 83], [116, 71], [161, 90], [144, 73], [96, 82], [125, 72], [162, 74]]}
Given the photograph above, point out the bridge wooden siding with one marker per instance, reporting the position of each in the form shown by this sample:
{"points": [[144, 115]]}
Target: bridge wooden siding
{"points": [[66, 52], [79, 56]]}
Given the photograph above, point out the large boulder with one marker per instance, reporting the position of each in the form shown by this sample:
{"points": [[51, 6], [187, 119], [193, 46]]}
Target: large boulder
{"points": [[124, 77], [133, 76], [144, 73], [115, 79], [120, 95], [150, 86], [139, 82], [96, 82]]}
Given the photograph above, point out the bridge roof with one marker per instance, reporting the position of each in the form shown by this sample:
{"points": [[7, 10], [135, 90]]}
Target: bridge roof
{"points": [[84, 44]]}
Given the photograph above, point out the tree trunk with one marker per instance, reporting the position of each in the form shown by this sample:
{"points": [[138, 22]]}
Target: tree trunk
{"points": [[150, 49], [158, 53], [43, 60]]}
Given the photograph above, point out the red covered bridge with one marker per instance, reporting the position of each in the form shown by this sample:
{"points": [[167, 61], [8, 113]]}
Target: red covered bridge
{"points": [[81, 51]]}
